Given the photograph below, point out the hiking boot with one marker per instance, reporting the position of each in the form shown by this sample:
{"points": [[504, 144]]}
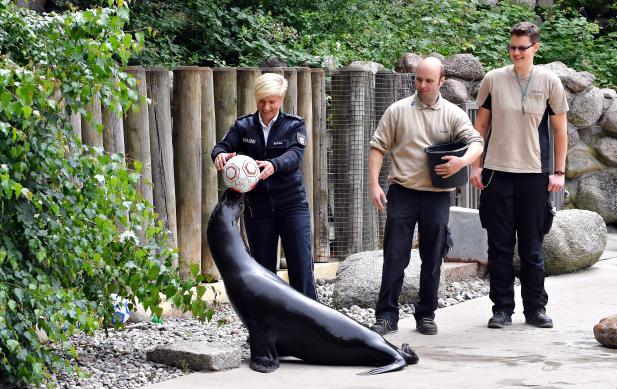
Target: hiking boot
{"points": [[426, 326], [539, 319], [383, 326], [500, 320]]}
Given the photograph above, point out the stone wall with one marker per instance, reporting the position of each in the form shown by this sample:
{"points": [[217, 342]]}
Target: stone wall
{"points": [[591, 166]]}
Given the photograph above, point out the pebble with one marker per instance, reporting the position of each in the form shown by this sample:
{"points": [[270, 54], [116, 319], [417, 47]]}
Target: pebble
{"points": [[119, 361]]}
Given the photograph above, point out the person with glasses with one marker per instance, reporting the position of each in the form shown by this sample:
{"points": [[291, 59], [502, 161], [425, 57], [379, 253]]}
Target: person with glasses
{"points": [[517, 102], [406, 128]]}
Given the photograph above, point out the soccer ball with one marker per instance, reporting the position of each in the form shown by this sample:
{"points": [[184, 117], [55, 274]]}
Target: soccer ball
{"points": [[121, 309], [241, 173]]}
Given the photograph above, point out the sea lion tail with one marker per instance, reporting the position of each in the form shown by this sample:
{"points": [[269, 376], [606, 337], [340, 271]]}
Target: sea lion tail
{"points": [[407, 352], [398, 364]]}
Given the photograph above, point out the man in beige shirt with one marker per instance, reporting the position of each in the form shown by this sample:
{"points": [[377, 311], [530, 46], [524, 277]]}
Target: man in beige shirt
{"points": [[518, 101], [407, 127]]}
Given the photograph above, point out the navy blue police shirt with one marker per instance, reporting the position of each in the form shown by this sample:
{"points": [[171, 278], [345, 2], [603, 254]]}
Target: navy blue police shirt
{"points": [[284, 149]]}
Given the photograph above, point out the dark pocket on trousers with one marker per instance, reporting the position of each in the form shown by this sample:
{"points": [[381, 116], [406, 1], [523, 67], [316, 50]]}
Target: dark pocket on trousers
{"points": [[447, 244], [548, 217]]}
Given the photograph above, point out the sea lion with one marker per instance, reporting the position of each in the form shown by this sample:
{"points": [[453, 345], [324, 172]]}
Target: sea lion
{"points": [[284, 322]]}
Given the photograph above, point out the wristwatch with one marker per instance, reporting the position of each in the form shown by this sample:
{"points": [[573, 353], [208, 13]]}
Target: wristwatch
{"points": [[559, 172]]}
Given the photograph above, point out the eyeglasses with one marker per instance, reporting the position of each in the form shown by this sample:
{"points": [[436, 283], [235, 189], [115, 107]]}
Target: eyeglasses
{"points": [[519, 48]]}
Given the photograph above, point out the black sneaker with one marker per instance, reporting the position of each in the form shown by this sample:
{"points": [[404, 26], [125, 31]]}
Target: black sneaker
{"points": [[426, 326], [539, 319], [500, 320], [383, 326]]}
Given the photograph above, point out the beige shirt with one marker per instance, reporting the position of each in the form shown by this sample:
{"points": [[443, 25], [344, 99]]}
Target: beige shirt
{"points": [[518, 140], [409, 126]]}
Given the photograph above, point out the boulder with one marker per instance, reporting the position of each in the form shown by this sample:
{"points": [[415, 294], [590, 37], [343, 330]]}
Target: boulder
{"points": [[609, 120], [596, 192], [573, 137], [438, 56], [372, 67], [605, 332], [358, 280], [196, 355], [587, 107], [273, 62], [455, 91], [576, 241], [571, 79], [529, 3], [464, 66], [607, 149], [590, 135], [546, 3], [580, 161], [408, 63]]}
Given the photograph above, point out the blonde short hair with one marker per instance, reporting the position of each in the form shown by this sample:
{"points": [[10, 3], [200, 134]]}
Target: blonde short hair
{"points": [[270, 84]]}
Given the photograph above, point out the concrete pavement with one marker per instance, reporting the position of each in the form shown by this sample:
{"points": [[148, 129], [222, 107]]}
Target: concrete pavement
{"points": [[467, 354]]}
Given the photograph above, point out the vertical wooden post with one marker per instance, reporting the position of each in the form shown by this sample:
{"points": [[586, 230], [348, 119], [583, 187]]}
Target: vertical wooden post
{"points": [[137, 135], [161, 148], [75, 119], [290, 104], [209, 187], [187, 164], [320, 168], [246, 90], [225, 104], [113, 130], [90, 135], [305, 110]]}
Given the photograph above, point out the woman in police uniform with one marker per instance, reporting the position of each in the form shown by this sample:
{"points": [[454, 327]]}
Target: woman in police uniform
{"points": [[277, 206]]}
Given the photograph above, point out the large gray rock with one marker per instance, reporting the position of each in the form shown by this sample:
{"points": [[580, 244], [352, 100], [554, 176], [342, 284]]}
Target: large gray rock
{"points": [[373, 67], [573, 137], [464, 66], [196, 355], [587, 107], [455, 91], [598, 192], [571, 79], [529, 3], [546, 3], [358, 280], [590, 135], [609, 121], [580, 160], [576, 241], [469, 241], [607, 149], [408, 63]]}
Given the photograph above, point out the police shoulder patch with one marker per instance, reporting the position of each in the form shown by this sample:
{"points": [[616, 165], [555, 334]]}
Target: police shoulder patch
{"points": [[301, 139]]}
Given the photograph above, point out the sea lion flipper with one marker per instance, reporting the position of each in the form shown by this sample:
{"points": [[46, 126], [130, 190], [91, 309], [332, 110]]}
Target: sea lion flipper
{"points": [[398, 364], [407, 352], [264, 358]]}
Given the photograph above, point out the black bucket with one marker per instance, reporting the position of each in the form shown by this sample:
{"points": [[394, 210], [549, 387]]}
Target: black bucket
{"points": [[435, 153]]}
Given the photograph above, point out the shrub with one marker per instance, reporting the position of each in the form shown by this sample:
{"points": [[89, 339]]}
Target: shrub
{"points": [[71, 216]]}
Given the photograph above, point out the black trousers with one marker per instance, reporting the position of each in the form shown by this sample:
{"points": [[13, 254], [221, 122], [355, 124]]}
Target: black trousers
{"points": [[293, 225], [516, 205], [431, 210]]}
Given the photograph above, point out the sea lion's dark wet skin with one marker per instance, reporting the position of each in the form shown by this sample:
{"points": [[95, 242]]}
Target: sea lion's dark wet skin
{"points": [[282, 321]]}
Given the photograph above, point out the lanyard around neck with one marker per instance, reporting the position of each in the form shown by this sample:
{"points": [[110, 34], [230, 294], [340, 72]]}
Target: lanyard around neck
{"points": [[523, 91]]}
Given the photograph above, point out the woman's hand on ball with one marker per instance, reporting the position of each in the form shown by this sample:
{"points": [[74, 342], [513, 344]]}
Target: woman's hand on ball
{"points": [[221, 160], [267, 169]]}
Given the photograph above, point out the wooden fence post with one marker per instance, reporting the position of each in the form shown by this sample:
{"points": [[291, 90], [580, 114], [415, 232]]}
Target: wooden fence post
{"points": [[209, 187], [246, 90], [161, 147], [137, 135], [290, 104], [320, 169], [187, 164], [305, 110], [113, 130], [225, 104], [90, 135]]}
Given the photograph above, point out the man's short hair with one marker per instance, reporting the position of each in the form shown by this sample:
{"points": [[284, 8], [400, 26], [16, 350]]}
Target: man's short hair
{"points": [[526, 29], [270, 84]]}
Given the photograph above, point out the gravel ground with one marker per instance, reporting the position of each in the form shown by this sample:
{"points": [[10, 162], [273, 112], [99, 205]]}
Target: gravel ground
{"points": [[119, 361]]}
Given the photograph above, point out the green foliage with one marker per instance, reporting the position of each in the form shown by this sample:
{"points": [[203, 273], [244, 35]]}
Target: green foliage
{"points": [[70, 215]]}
